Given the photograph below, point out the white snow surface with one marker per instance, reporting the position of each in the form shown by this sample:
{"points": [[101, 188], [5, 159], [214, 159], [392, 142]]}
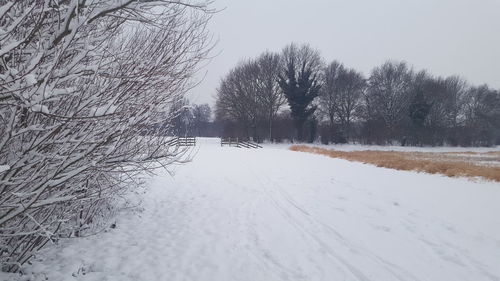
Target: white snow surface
{"points": [[40, 108], [273, 214], [103, 110], [4, 168]]}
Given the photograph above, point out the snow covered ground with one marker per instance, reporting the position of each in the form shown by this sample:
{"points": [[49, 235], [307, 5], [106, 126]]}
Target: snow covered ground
{"points": [[273, 214]]}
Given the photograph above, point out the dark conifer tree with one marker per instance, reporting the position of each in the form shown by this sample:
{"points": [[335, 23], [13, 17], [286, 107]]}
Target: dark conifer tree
{"points": [[418, 110], [299, 82]]}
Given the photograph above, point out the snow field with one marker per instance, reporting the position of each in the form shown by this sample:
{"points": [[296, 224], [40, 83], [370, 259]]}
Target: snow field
{"points": [[274, 214]]}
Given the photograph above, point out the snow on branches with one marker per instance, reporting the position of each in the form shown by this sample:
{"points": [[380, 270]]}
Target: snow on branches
{"points": [[81, 82]]}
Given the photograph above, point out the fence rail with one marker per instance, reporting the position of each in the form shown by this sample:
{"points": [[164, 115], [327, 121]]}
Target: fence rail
{"points": [[182, 141], [238, 143]]}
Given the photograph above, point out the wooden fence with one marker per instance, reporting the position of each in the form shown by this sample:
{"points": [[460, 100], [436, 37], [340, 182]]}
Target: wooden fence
{"points": [[182, 141], [238, 143]]}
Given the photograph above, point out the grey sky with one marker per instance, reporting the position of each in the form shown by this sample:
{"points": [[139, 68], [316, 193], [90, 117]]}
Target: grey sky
{"points": [[446, 37]]}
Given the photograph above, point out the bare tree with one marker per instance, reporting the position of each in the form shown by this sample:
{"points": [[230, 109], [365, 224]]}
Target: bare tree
{"points": [[482, 115], [455, 91], [238, 98], [181, 122], [270, 93], [201, 117], [425, 110], [352, 85], [341, 96], [80, 80], [445, 98], [299, 81], [328, 99], [389, 93], [250, 94]]}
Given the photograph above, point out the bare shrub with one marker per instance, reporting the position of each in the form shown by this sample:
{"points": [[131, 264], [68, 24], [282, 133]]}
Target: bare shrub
{"points": [[81, 82]]}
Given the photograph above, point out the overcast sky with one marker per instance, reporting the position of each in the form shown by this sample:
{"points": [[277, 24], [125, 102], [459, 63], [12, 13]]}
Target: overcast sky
{"points": [[446, 37]]}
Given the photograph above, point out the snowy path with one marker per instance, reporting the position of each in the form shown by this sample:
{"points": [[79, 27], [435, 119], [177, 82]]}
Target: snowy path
{"points": [[273, 214]]}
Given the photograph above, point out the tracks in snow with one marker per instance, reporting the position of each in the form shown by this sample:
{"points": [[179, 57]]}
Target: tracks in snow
{"points": [[278, 215]]}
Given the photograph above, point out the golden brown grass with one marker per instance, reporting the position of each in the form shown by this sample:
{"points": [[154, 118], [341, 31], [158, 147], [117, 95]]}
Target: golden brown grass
{"points": [[449, 164]]}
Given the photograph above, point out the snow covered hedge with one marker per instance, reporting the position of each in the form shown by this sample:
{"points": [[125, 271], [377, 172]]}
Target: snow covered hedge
{"points": [[81, 81]]}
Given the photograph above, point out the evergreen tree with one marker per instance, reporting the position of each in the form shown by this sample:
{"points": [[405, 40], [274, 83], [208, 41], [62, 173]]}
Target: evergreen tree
{"points": [[418, 110], [299, 82]]}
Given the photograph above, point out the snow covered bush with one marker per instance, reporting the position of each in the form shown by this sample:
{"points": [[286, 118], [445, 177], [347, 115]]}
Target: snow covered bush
{"points": [[81, 80]]}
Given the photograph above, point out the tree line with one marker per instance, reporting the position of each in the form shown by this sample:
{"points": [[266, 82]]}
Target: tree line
{"points": [[294, 95], [186, 120]]}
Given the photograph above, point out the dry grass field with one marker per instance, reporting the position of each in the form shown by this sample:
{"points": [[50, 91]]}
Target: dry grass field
{"points": [[452, 164]]}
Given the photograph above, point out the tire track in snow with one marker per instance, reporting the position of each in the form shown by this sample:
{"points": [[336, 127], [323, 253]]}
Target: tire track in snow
{"points": [[397, 272], [304, 231]]}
